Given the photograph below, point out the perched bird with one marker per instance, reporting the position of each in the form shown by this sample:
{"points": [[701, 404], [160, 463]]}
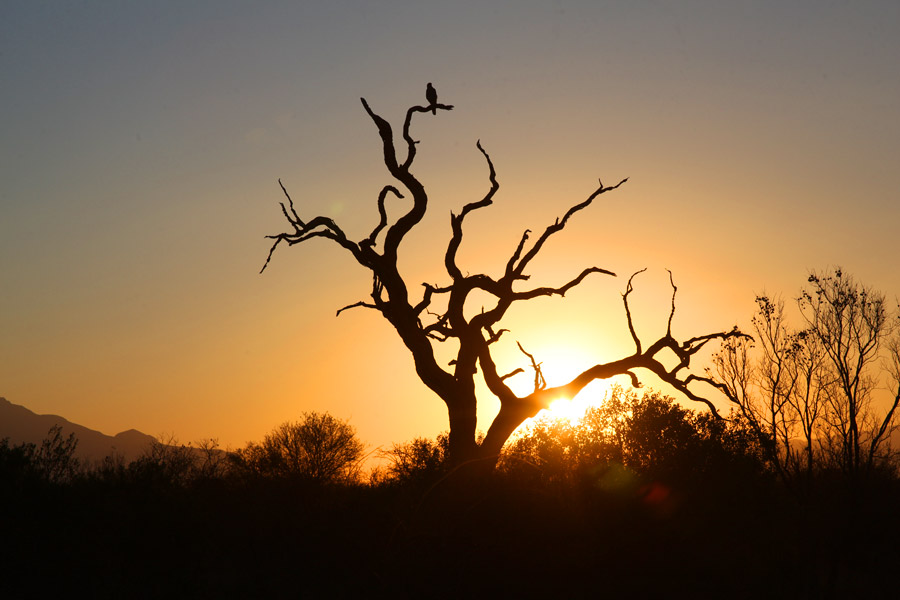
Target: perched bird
{"points": [[431, 96]]}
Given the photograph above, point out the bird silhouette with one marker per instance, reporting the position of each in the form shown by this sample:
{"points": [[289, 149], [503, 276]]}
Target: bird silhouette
{"points": [[431, 96]]}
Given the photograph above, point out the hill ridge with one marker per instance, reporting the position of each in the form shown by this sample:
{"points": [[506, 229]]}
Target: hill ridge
{"points": [[22, 425]]}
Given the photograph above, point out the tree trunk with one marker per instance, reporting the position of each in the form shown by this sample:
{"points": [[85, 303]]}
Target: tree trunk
{"points": [[463, 422]]}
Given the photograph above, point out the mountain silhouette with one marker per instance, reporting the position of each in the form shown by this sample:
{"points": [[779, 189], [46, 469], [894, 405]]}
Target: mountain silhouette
{"points": [[21, 425]]}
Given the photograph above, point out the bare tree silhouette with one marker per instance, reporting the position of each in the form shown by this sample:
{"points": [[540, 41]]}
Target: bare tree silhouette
{"points": [[421, 322], [817, 386]]}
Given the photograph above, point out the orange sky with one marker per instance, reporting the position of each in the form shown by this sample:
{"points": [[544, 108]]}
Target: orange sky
{"points": [[142, 144]]}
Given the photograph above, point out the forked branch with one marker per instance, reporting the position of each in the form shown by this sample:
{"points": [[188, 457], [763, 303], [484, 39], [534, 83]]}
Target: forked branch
{"points": [[303, 230], [556, 227], [539, 382], [456, 221]]}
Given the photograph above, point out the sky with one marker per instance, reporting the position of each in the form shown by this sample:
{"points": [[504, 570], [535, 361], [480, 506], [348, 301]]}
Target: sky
{"points": [[142, 143]]}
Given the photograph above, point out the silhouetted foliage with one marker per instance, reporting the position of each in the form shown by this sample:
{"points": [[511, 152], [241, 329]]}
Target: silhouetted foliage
{"points": [[650, 436], [419, 461], [55, 458], [164, 463], [437, 315], [812, 393], [642, 498], [319, 448], [52, 462], [16, 464]]}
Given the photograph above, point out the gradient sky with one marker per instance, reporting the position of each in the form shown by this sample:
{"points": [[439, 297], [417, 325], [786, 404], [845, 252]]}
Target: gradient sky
{"points": [[142, 143]]}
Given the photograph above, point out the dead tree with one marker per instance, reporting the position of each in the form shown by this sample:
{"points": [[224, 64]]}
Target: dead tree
{"points": [[434, 314]]}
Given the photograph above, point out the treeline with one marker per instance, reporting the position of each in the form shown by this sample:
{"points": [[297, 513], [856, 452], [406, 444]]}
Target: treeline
{"points": [[641, 496], [649, 435], [318, 449], [821, 395]]}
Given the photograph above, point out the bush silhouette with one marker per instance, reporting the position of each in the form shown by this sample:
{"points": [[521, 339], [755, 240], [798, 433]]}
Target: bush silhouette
{"points": [[418, 461], [649, 435], [319, 448]]}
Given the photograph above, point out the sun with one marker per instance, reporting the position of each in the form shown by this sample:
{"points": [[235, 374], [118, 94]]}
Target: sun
{"points": [[564, 410], [560, 362], [573, 409]]}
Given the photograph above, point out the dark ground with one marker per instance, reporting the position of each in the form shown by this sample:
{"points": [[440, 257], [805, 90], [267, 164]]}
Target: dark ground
{"points": [[277, 539]]}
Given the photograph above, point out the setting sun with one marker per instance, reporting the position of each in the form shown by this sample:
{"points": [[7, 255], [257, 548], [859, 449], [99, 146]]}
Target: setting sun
{"points": [[573, 409], [559, 364], [565, 409]]}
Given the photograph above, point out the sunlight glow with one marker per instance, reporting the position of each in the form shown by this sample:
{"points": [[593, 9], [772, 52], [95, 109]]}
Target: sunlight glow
{"points": [[565, 409], [573, 409], [560, 363]]}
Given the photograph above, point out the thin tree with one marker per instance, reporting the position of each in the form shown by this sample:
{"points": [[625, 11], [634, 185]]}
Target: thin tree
{"points": [[422, 321], [778, 388], [813, 379], [818, 384], [852, 324]]}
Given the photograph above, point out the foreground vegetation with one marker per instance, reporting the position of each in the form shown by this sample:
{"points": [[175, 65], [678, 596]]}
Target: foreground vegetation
{"points": [[642, 497]]}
